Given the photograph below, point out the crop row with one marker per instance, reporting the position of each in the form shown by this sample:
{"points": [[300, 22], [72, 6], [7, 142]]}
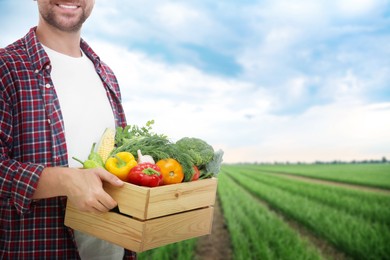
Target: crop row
{"points": [[374, 175], [184, 250], [256, 232], [352, 234], [370, 206]]}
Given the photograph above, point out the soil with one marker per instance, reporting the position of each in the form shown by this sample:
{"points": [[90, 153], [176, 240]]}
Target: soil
{"points": [[217, 246]]}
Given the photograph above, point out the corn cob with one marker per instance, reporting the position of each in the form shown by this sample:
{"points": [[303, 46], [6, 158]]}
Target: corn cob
{"points": [[106, 143]]}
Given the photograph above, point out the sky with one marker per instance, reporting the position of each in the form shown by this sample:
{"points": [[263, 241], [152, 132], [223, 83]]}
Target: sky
{"points": [[265, 81]]}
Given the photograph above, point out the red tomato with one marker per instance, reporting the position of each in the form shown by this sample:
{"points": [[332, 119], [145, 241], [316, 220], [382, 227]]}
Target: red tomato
{"points": [[196, 174]]}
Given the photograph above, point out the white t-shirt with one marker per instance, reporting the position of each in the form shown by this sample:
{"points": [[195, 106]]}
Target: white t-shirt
{"points": [[86, 113], [84, 103]]}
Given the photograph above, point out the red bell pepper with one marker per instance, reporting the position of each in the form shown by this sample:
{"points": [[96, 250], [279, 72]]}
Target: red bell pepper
{"points": [[145, 174]]}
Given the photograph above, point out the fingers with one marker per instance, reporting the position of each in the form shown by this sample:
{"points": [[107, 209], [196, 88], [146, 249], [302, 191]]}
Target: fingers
{"points": [[106, 203], [110, 178], [87, 192], [100, 208], [100, 201], [94, 205]]}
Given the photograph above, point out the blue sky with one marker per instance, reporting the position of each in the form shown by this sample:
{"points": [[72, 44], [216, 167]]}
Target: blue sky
{"points": [[274, 80]]}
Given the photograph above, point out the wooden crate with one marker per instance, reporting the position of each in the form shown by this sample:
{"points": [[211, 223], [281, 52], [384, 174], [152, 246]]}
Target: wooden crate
{"points": [[151, 217]]}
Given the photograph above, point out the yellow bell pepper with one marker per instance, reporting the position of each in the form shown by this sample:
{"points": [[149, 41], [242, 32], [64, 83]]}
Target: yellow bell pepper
{"points": [[120, 164]]}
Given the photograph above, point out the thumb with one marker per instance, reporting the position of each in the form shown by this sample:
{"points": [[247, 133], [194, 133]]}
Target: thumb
{"points": [[110, 178]]}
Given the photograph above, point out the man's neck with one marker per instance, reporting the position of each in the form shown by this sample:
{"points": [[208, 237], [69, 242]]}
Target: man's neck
{"points": [[67, 43]]}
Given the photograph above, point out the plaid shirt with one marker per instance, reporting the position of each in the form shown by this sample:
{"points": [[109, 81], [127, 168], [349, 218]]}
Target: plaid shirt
{"points": [[31, 138]]}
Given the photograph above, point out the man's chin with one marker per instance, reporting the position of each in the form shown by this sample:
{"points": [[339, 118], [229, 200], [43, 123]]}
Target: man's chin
{"points": [[66, 26]]}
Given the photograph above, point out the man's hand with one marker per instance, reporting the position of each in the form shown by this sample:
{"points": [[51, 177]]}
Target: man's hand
{"points": [[85, 190], [83, 187]]}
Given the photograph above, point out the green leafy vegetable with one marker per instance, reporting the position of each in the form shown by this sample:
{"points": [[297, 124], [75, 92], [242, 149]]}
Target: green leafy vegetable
{"points": [[188, 151], [200, 151], [132, 131], [133, 138], [214, 166]]}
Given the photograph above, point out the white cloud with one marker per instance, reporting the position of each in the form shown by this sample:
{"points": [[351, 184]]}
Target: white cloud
{"points": [[310, 70], [233, 116], [196, 101], [178, 16], [332, 132], [359, 8]]}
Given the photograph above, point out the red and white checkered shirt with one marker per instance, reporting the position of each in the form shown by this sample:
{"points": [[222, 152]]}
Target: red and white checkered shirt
{"points": [[31, 138]]}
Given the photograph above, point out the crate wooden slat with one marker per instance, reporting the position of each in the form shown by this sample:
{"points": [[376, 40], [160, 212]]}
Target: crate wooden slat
{"points": [[146, 203], [138, 235], [109, 226], [151, 217]]}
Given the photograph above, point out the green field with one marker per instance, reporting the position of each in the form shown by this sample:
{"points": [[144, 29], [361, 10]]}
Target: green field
{"points": [[259, 204], [368, 174]]}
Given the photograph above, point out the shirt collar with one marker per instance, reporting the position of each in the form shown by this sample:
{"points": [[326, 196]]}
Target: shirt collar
{"points": [[35, 50], [40, 59], [90, 53]]}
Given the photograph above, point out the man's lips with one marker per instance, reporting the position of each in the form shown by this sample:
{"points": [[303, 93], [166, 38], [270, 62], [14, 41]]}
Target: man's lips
{"points": [[68, 6]]}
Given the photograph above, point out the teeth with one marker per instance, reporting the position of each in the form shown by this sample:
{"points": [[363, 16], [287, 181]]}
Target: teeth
{"points": [[68, 6]]}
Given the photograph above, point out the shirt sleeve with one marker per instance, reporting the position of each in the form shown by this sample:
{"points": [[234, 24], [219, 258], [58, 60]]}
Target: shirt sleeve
{"points": [[18, 180]]}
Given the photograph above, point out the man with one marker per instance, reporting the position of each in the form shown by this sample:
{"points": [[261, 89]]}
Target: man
{"points": [[56, 98]]}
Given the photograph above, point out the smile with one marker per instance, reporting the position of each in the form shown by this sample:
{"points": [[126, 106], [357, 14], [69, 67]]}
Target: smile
{"points": [[68, 6]]}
